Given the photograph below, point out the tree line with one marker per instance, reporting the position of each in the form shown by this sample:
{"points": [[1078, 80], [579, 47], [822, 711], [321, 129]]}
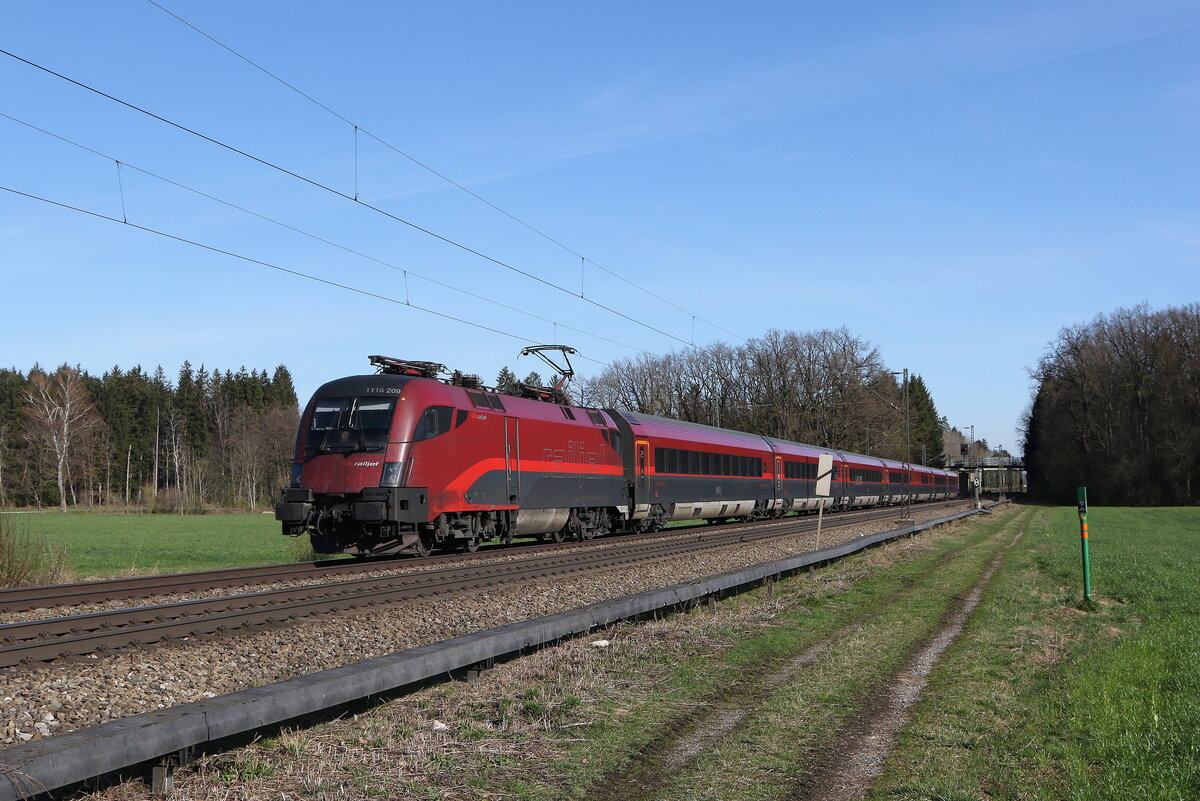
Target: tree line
{"points": [[133, 438], [826, 388], [1116, 408]]}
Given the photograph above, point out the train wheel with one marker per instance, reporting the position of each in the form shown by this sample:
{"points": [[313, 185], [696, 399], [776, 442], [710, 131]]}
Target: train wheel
{"points": [[470, 545], [424, 545]]}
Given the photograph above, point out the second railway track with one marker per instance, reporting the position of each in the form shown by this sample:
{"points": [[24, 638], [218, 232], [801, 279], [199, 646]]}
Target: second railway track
{"points": [[19, 599], [78, 635]]}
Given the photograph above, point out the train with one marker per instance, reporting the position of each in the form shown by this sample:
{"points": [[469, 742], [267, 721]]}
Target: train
{"points": [[405, 461]]}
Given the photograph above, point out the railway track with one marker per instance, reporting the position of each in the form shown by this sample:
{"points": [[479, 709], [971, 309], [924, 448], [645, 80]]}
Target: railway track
{"points": [[79, 635], [19, 599]]}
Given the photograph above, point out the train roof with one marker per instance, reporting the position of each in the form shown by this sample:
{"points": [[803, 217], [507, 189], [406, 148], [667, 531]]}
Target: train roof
{"points": [[363, 385], [697, 432]]}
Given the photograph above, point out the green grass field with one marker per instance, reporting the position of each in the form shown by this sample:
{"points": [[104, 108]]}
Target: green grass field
{"points": [[1045, 697], [95, 545]]}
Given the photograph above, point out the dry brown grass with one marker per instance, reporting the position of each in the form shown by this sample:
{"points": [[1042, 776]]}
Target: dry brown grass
{"points": [[26, 560]]}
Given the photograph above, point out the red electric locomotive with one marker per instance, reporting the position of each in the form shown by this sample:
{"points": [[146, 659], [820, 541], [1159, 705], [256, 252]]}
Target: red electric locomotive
{"points": [[402, 461]]}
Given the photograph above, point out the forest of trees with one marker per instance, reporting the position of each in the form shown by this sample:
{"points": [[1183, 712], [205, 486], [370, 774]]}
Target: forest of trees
{"points": [[132, 438], [1117, 409], [827, 388]]}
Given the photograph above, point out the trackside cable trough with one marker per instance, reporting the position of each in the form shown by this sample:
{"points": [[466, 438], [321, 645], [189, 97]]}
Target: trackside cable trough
{"points": [[166, 738]]}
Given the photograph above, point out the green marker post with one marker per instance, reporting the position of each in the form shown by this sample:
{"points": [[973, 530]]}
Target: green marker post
{"points": [[1083, 538]]}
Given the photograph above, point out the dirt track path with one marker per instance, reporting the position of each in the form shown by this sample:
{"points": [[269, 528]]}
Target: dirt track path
{"points": [[865, 744], [701, 731]]}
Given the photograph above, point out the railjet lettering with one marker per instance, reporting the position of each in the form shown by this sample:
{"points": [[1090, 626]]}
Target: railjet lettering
{"points": [[366, 464], [576, 452]]}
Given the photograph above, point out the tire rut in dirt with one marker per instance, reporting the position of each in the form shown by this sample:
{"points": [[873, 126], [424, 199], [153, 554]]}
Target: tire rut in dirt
{"points": [[683, 739], [851, 767]]}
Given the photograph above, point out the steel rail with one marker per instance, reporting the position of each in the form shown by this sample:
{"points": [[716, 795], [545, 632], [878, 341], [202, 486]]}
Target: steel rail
{"points": [[76, 635], [19, 599]]}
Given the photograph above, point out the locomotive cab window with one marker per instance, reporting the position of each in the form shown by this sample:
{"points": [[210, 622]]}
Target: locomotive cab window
{"points": [[350, 425], [433, 422]]}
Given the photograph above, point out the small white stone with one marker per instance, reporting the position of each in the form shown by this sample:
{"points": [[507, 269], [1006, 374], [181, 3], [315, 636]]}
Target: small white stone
{"points": [[600, 643], [42, 729], [439, 726], [24, 736]]}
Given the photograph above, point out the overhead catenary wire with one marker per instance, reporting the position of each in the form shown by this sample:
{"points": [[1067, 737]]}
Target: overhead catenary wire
{"points": [[277, 267], [326, 188], [358, 128], [294, 229]]}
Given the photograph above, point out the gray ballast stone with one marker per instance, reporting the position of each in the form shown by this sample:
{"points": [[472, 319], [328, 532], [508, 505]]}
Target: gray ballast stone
{"points": [[57, 761]]}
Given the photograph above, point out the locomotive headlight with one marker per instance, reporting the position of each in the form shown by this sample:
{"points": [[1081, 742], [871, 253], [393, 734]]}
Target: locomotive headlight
{"points": [[297, 473], [391, 474]]}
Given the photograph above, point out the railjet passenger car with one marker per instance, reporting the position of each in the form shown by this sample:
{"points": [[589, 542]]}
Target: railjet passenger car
{"points": [[402, 461]]}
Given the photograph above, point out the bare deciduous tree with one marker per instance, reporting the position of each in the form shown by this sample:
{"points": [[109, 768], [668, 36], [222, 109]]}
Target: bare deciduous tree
{"points": [[1117, 408], [59, 415], [826, 387]]}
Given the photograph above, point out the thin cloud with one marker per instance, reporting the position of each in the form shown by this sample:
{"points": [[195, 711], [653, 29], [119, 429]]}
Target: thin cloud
{"points": [[652, 107]]}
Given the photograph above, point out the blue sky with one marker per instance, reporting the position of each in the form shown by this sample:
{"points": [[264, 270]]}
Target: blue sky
{"points": [[954, 182]]}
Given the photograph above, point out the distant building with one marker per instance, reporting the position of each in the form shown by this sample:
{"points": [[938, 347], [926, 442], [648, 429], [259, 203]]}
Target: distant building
{"points": [[957, 447]]}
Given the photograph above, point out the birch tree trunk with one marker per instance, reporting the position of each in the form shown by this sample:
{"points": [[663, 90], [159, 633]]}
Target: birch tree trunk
{"points": [[58, 412]]}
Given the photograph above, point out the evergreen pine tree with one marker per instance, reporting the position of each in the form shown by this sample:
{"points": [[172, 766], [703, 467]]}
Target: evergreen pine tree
{"points": [[926, 428], [12, 384], [506, 381], [265, 397], [190, 401], [282, 389]]}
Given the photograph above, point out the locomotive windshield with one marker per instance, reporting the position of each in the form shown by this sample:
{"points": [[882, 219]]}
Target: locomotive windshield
{"points": [[350, 425]]}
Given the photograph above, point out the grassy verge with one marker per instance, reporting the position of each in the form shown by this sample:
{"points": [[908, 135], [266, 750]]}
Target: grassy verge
{"points": [[776, 751], [111, 544], [570, 721], [1042, 699], [26, 559]]}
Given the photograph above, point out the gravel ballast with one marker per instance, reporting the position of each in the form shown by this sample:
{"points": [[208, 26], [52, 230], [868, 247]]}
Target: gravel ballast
{"points": [[40, 701]]}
